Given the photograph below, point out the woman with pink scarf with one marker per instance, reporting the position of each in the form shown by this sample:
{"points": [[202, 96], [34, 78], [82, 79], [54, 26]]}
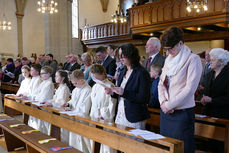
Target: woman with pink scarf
{"points": [[178, 82]]}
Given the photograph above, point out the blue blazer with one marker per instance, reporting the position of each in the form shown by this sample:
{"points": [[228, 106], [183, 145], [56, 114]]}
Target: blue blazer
{"points": [[136, 94]]}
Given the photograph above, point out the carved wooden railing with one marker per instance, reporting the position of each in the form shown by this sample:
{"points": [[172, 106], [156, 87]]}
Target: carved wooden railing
{"points": [[157, 16], [166, 13], [105, 30]]}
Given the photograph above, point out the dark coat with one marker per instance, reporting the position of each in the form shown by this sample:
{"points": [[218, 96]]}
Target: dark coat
{"points": [[136, 94], [110, 66], [218, 89], [158, 59]]}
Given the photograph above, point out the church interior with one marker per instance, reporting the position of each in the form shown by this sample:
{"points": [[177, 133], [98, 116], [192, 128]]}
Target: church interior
{"points": [[65, 29]]}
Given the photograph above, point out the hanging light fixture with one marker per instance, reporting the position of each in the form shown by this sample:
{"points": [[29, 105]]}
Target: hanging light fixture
{"points": [[197, 5], [5, 25], [119, 16], [50, 6]]}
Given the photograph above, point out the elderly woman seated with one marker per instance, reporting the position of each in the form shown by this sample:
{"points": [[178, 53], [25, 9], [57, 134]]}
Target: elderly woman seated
{"points": [[216, 91]]}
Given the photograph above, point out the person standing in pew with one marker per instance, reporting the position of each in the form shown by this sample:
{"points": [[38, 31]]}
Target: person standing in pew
{"points": [[60, 98], [155, 72], [80, 103], [62, 92], [103, 105], [133, 90], [33, 91], [45, 92], [24, 87], [216, 91], [178, 82]]}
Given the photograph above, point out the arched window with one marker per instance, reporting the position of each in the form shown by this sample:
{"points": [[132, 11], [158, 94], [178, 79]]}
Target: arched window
{"points": [[75, 19]]}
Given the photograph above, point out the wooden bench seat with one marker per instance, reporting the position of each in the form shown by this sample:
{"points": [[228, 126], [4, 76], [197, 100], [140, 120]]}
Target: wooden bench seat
{"points": [[205, 127], [113, 135], [15, 139]]}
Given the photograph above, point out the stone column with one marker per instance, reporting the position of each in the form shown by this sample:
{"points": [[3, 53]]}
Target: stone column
{"points": [[20, 5], [58, 31]]}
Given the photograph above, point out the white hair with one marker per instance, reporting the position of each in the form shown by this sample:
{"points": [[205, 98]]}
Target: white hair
{"points": [[157, 42], [220, 54], [86, 56]]}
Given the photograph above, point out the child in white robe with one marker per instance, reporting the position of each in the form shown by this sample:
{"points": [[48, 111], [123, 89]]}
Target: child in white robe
{"points": [[45, 93], [35, 82], [25, 84], [103, 105], [60, 98], [80, 103], [33, 91], [62, 93]]}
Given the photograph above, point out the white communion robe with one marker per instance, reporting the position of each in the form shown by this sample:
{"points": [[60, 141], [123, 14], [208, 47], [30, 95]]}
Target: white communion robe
{"points": [[33, 88], [45, 93], [24, 87], [80, 104], [61, 96], [33, 91], [103, 105]]}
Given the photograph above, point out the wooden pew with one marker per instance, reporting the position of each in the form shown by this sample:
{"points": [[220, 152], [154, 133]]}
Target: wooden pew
{"points": [[14, 138], [206, 127], [9, 87], [115, 136]]}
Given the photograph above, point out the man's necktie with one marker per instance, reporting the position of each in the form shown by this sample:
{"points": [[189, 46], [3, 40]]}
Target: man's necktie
{"points": [[148, 62]]}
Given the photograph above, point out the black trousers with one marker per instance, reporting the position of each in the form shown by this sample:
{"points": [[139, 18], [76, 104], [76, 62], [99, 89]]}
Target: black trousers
{"points": [[179, 125]]}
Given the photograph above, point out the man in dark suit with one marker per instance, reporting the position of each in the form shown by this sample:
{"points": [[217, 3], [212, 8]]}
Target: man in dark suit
{"points": [[72, 63], [153, 47], [105, 60], [206, 68]]}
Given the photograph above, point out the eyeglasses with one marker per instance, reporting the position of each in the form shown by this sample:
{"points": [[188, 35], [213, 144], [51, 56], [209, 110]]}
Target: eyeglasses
{"points": [[121, 56], [44, 73], [168, 48]]}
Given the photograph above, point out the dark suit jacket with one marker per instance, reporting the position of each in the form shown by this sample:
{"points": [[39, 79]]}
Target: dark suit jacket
{"points": [[136, 94], [158, 59], [206, 70], [110, 66], [73, 67], [218, 90]]}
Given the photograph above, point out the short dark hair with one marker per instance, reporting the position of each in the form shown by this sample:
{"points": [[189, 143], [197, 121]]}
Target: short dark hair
{"points": [[202, 54], [112, 47], [37, 67], [100, 49], [18, 60], [172, 36], [50, 55], [24, 58], [10, 60], [130, 52]]}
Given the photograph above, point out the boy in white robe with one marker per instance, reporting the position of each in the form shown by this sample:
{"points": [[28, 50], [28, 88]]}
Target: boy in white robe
{"points": [[80, 103], [35, 82], [25, 84], [33, 91], [103, 105]]}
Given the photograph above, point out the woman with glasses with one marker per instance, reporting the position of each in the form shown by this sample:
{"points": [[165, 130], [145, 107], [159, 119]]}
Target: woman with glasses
{"points": [[216, 91], [178, 83]]}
